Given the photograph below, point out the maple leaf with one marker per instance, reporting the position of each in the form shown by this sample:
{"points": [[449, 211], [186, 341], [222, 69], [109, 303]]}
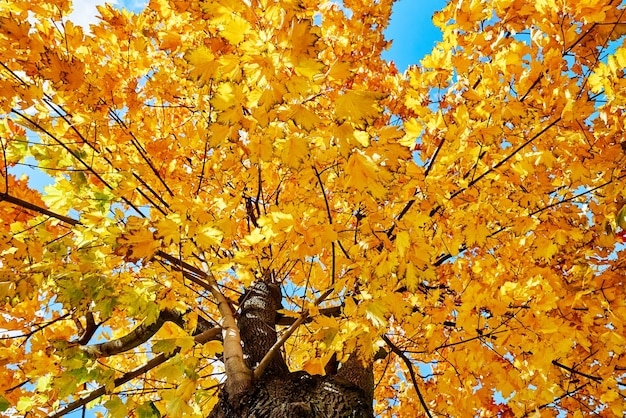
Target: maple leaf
{"points": [[204, 64], [357, 106]]}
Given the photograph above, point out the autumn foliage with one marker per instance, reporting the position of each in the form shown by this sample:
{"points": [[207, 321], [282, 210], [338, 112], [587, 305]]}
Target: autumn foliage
{"points": [[465, 218]]}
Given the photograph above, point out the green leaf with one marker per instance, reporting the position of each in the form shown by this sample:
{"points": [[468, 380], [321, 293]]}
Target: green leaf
{"points": [[44, 383], [116, 408], [4, 404], [166, 346], [148, 410], [620, 219]]}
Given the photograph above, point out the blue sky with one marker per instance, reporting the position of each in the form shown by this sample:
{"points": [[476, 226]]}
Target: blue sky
{"points": [[412, 31]]}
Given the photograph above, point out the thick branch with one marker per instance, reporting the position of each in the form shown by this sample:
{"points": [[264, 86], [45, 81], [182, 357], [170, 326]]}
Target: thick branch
{"points": [[239, 376], [89, 330], [136, 337], [358, 372], [276, 347], [257, 326], [267, 359]]}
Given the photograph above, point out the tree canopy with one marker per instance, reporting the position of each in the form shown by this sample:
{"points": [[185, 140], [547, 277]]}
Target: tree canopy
{"points": [[457, 227]]}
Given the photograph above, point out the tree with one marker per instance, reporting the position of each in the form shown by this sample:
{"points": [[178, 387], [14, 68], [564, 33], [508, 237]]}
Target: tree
{"points": [[253, 214]]}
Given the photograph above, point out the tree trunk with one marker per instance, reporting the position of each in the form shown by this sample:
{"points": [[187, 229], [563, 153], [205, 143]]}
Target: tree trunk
{"points": [[279, 393]]}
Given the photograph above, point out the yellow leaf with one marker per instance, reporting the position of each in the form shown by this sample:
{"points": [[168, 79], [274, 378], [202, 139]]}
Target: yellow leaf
{"points": [[206, 236], [620, 218], [278, 221], [294, 151], [58, 196], [186, 389], [203, 64], [362, 138], [116, 408], [413, 129], [357, 106], [254, 237], [340, 70], [185, 343], [376, 311], [308, 68], [402, 242], [142, 243], [314, 366], [235, 29], [476, 233], [363, 173], [25, 404], [211, 348], [609, 396], [226, 96]]}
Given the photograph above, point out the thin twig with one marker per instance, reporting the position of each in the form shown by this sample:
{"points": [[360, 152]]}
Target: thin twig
{"points": [[572, 370], [507, 158], [432, 161], [75, 155], [409, 365], [43, 211], [555, 400], [330, 221]]}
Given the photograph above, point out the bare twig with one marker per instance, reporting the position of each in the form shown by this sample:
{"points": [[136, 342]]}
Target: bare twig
{"points": [[432, 161], [409, 365], [330, 221], [140, 149], [43, 211], [574, 371]]}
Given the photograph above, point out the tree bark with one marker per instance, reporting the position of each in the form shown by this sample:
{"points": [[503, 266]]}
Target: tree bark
{"points": [[280, 393]]}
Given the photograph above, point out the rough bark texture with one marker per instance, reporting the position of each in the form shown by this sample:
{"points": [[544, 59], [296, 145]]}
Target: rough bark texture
{"points": [[280, 393], [257, 328]]}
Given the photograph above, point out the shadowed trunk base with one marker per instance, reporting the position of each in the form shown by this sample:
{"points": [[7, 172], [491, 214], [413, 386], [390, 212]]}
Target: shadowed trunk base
{"points": [[346, 392], [298, 395]]}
